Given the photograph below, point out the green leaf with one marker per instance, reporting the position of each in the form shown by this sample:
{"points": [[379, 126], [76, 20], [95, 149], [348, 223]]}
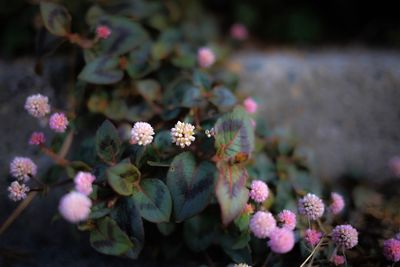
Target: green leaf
{"points": [[116, 110], [166, 228], [128, 218], [125, 35], [139, 61], [109, 239], [102, 70], [99, 210], [191, 186], [108, 143], [223, 98], [76, 166], [234, 136], [231, 191], [182, 93], [56, 18], [199, 232], [122, 177], [149, 89], [242, 222], [153, 200]]}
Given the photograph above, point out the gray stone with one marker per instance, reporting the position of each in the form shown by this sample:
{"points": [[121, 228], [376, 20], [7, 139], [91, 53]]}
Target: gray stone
{"points": [[344, 105]]}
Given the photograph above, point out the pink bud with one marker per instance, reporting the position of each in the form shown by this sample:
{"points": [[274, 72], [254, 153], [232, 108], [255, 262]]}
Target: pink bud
{"points": [[103, 32], [37, 138], [250, 105], [239, 32], [58, 122], [205, 57]]}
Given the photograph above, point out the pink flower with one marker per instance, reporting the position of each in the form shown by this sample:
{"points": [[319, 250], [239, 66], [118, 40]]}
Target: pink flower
{"points": [[259, 191], [394, 165], [337, 260], [281, 240], [37, 105], [312, 237], [103, 32], [22, 168], [337, 204], [239, 32], [287, 219], [311, 206], [345, 236], [205, 57], [37, 138], [391, 250], [83, 182], [58, 122], [250, 105], [17, 191], [262, 224], [75, 207]]}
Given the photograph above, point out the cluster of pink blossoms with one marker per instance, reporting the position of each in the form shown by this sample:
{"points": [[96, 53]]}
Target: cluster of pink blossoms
{"points": [[75, 206], [205, 57], [103, 32], [391, 249], [259, 191], [311, 206], [22, 169], [239, 32], [281, 239], [312, 237]]}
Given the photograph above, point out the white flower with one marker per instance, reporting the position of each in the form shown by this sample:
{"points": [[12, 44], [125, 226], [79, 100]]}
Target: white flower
{"points": [[183, 134], [142, 134]]}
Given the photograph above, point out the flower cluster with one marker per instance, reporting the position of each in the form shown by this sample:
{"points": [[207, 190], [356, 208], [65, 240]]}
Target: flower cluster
{"points": [[58, 122], [239, 32], [337, 204], [22, 168], [287, 219], [262, 224], [37, 138], [281, 240], [183, 134], [142, 134], [103, 32], [37, 105], [205, 57], [75, 207], [312, 237], [250, 105], [345, 236], [391, 249], [17, 191], [259, 191], [311, 206], [83, 182]]}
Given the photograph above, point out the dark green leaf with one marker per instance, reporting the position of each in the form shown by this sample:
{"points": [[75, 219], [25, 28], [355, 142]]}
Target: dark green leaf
{"points": [[126, 35], [109, 239], [99, 210], [234, 136], [199, 232], [149, 89], [191, 186], [127, 215], [231, 191], [153, 200], [166, 228], [102, 70], [223, 98], [108, 143], [56, 18], [122, 177]]}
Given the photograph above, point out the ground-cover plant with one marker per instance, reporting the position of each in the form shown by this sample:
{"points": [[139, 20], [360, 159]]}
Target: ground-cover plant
{"points": [[167, 154]]}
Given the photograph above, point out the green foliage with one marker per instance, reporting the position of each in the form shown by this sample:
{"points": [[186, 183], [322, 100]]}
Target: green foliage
{"points": [[102, 70], [191, 185], [122, 177], [108, 143], [109, 239], [56, 18], [231, 191], [153, 200]]}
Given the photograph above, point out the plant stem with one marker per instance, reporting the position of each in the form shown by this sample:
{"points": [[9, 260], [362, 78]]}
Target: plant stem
{"points": [[267, 259], [21, 207], [312, 253]]}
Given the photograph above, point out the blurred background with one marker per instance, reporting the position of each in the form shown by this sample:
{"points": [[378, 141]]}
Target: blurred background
{"points": [[325, 74]]}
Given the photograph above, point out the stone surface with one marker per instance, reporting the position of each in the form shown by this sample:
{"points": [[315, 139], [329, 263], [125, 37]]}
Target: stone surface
{"points": [[344, 105]]}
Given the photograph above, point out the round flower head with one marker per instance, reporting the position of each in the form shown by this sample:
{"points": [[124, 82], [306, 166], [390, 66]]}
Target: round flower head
{"points": [[58, 122], [394, 165], [287, 219], [337, 204], [337, 260], [312, 237], [239, 32], [182, 134], [103, 32], [37, 138], [250, 105], [142, 134], [75, 207], [311, 206], [345, 236], [241, 265], [37, 105], [17, 191], [262, 224], [205, 57], [391, 250], [259, 191], [83, 182], [22, 168], [281, 240]]}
